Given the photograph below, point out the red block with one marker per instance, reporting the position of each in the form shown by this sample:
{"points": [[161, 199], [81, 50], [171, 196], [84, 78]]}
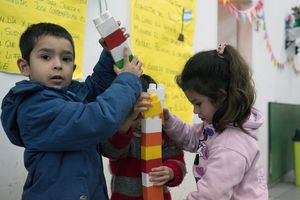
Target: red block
{"points": [[114, 39], [147, 165]]}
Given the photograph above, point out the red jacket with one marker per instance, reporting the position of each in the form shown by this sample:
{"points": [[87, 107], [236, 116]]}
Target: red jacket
{"points": [[124, 153]]}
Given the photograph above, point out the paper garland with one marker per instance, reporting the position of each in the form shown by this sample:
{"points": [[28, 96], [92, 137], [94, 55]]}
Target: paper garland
{"points": [[256, 14]]}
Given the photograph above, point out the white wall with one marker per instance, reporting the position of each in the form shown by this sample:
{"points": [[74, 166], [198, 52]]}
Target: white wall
{"points": [[271, 84]]}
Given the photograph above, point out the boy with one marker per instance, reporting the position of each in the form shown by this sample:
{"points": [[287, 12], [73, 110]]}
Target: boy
{"points": [[59, 121]]}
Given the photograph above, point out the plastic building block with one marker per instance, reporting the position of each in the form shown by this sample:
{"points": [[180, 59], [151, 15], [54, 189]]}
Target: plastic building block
{"points": [[113, 37], [151, 124], [155, 109], [147, 165], [151, 150], [153, 193], [151, 139]]}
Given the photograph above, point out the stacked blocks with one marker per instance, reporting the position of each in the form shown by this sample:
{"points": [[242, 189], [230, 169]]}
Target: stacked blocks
{"points": [[155, 108], [151, 151], [113, 37]]}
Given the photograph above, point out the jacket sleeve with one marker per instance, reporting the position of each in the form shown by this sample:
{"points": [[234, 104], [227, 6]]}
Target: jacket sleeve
{"points": [[185, 135], [117, 146], [224, 171], [177, 164], [52, 123], [102, 77]]}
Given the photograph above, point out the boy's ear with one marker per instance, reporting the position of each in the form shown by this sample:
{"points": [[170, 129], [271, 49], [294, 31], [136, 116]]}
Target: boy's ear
{"points": [[74, 67], [23, 67]]}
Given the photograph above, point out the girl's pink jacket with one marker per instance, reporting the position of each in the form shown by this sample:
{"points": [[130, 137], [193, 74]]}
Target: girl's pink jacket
{"points": [[227, 165]]}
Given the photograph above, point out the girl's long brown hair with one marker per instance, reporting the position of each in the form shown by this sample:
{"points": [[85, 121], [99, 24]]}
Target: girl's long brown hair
{"points": [[226, 80]]}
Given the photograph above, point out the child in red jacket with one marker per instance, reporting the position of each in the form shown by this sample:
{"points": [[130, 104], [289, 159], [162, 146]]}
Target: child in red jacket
{"points": [[124, 153]]}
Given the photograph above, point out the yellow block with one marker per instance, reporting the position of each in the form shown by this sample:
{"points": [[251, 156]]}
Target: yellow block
{"points": [[297, 162], [155, 109], [150, 153]]}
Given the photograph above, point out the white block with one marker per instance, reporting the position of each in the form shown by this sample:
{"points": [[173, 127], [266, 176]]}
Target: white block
{"points": [[146, 180], [118, 52], [151, 124], [106, 24]]}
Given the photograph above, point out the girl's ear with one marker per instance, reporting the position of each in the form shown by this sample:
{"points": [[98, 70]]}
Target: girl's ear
{"points": [[74, 67], [23, 67]]}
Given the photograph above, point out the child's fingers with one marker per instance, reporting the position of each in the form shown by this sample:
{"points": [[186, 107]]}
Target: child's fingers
{"points": [[158, 169], [144, 95], [134, 60], [117, 70], [159, 178], [102, 43], [126, 56], [126, 35], [159, 183], [166, 113]]}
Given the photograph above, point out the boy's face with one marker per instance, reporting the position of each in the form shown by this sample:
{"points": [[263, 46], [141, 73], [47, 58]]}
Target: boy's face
{"points": [[51, 62]]}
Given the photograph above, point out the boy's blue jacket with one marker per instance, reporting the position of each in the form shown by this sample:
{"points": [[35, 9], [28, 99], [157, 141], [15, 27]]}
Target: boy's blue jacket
{"points": [[60, 129]]}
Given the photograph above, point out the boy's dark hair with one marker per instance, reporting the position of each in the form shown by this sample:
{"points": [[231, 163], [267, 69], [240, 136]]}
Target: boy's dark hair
{"points": [[226, 80], [34, 32], [145, 81]]}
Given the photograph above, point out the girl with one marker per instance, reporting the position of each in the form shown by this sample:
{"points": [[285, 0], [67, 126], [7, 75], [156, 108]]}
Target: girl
{"points": [[219, 85]]}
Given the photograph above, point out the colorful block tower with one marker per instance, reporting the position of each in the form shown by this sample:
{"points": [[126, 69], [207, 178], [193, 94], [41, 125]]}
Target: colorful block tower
{"points": [[151, 150], [113, 37]]}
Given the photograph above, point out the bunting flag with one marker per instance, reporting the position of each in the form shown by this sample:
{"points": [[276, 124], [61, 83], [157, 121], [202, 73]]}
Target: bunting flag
{"points": [[245, 15], [187, 16], [256, 14]]}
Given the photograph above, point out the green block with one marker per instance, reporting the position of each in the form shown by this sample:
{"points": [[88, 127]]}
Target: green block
{"points": [[120, 63]]}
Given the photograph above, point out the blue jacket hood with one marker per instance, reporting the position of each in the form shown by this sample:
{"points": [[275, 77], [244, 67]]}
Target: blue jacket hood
{"points": [[10, 106]]}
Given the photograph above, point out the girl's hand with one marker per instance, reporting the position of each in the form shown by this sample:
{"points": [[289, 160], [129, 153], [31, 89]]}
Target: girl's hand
{"points": [[161, 175], [166, 113]]}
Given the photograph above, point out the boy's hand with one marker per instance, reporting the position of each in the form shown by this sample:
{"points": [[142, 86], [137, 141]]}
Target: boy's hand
{"points": [[135, 66], [161, 175]]}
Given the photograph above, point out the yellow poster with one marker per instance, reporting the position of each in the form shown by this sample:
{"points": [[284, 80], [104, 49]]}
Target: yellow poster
{"points": [[162, 34], [15, 16]]}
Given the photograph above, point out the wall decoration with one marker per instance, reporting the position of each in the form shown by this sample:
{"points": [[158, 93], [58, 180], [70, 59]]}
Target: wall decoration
{"points": [[162, 34], [17, 15], [255, 15]]}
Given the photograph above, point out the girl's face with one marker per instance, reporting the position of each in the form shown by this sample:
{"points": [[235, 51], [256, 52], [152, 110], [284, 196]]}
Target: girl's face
{"points": [[202, 106]]}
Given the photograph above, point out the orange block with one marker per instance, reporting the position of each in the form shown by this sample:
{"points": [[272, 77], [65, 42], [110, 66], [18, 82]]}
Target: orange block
{"points": [[151, 139], [153, 193]]}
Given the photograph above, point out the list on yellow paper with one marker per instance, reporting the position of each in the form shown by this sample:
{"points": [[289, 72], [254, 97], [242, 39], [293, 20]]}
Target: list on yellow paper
{"points": [[156, 26], [16, 16]]}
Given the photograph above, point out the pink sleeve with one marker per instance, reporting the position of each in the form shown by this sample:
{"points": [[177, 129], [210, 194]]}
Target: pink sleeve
{"points": [[185, 135], [224, 170]]}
